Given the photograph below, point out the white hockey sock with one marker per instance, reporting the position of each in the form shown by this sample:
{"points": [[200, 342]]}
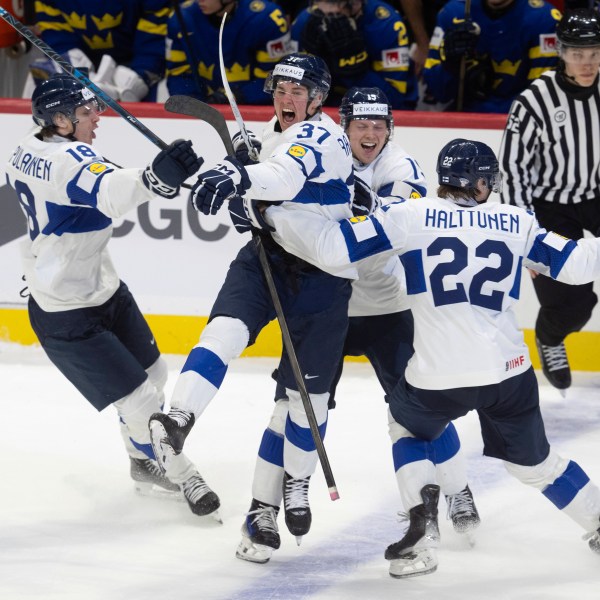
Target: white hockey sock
{"points": [[299, 451], [223, 339]]}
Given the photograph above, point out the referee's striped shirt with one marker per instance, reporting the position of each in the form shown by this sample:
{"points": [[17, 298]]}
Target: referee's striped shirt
{"points": [[551, 146]]}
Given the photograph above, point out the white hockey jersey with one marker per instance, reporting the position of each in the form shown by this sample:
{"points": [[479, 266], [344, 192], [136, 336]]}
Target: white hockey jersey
{"points": [[69, 195], [394, 176], [309, 166], [463, 271]]}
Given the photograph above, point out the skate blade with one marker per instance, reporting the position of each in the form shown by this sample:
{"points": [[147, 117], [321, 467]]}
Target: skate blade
{"points": [[299, 539], [414, 564], [216, 516], [563, 393], [255, 553], [150, 490], [469, 536]]}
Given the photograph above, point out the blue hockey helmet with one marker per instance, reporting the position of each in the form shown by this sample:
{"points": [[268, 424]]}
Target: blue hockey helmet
{"points": [[364, 103], [579, 28], [304, 69], [60, 94], [462, 163]]}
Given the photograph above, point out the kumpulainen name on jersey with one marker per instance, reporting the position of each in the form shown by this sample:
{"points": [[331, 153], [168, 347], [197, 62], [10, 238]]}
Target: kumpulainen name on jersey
{"points": [[31, 165]]}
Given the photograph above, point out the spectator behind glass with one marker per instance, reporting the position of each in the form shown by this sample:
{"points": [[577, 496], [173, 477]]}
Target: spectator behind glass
{"points": [[120, 42], [506, 43], [364, 44], [255, 37], [420, 18]]}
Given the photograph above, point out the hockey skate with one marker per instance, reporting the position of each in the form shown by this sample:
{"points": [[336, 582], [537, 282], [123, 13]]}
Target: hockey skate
{"points": [[200, 498], [555, 365], [260, 534], [414, 554], [463, 513], [149, 480], [593, 540], [298, 517], [167, 437]]}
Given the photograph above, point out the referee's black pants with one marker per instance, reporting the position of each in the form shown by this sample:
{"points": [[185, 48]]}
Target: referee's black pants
{"points": [[565, 308]]}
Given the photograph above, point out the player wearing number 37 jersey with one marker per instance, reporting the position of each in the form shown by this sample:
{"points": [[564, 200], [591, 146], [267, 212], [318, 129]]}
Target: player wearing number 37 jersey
{"points": [[463, 260]]}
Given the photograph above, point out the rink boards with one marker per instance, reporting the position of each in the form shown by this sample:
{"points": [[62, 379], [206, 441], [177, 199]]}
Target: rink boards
{"points": [[175, 260]]}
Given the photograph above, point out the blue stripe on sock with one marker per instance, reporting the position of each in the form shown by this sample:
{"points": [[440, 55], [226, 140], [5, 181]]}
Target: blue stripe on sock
{"points": [[145, 448], [301, 437], [446, 446], [408, 450], [271, 448], [207, 364], [567, 486]]}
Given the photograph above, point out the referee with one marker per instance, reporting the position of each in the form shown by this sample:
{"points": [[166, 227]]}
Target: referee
{"points": [[550, 158]]}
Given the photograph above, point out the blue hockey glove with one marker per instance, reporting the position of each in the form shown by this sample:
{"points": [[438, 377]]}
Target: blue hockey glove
{"points": [[246, 214], [460, 40], [170, 168], [241, 150], [365, 200], [213, 187]]}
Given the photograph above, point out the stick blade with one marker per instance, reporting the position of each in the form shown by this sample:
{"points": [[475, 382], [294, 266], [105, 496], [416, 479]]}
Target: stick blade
{"points": [[192, 107]]}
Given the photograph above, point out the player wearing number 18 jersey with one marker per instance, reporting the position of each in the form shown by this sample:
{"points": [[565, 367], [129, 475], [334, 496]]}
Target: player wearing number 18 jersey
{"points": [[85, 318]]}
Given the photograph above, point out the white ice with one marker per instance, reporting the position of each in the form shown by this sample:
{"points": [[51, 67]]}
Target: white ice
{"points": [[71, 526]]}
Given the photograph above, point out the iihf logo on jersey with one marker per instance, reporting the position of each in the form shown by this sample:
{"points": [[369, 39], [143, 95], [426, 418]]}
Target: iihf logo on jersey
{"points": [[513, 363]]}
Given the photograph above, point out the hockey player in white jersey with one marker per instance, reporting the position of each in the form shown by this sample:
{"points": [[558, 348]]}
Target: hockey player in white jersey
{"points": [[306, 164], [463, 262], [380, 325], [85, 318]]}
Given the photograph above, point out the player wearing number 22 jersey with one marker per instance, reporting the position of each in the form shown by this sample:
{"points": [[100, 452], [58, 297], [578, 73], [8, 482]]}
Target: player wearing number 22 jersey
{"points": [[463, 268]]}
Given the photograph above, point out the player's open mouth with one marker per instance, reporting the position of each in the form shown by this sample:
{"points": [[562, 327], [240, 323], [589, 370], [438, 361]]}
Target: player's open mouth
{"points": [[368, 146], [288, 115]]}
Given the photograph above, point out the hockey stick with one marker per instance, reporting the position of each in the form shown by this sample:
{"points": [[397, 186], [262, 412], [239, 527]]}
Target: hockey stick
{"points": [[252, 152], [79, 76], [287, 340], [463, 66], [192, 107]]}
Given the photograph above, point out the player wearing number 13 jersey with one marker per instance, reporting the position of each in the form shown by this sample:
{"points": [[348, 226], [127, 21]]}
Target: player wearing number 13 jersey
{"points": [[463, 260]]}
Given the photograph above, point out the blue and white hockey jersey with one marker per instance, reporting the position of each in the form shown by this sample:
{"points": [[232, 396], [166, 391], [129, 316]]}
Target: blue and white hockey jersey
{"points": [[69, 195], [309, 166], [394, 176], [463, 271]]}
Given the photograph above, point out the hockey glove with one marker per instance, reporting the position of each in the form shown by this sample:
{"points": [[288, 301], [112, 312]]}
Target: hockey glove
{"points": [[479, 78], [459, 40], [241, 150], [213, 187], [365, 199], [170, 168], [344, 47], [246, 214]]}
